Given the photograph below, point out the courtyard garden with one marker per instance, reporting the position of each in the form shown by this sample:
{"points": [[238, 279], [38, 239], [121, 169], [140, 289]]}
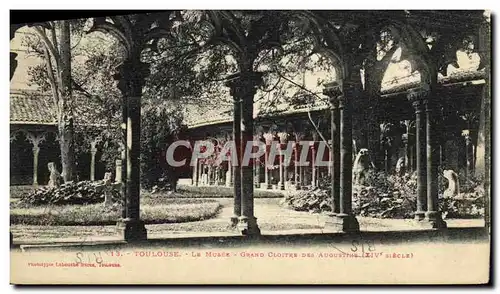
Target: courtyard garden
{"points": [[85, 207]]}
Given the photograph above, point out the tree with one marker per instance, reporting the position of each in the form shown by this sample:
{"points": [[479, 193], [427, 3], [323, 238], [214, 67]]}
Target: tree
{"points": [[54, 46]]}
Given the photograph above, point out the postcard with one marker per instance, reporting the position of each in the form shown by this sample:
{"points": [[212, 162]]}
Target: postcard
{"points": [[252, 147]]}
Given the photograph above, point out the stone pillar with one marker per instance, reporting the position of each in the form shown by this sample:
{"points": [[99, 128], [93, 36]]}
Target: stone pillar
{"points": [[123, 176], [344, 219], [295, 165], [35, 139], [131, 76], [334, 91], [229, 176], [93, 151], [236, 166], [433, 216], [482, 151], [283, 141], [267, 170], [468, 157], [243, 86], [257, 173], [36, 151], [196, 174], [313, 162], [404, 139], [417, 98], [209, 175], [118, 171]]}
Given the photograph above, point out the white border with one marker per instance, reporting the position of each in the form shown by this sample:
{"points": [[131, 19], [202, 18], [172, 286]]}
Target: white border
{"points": [[198, 4]]}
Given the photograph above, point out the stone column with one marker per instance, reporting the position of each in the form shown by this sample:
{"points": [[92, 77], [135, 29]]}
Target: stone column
{"points": [[257, 166], [345, 220], [131, 77], [243, 86], [283, 170], [209, 175], [313, 161], [267, 171], [229, 182], [417, 98], [123, 175], [35, 139], [257, 173], [118, 171], [433, 216], [482, 153], [93, 151], [468, 159], [334, 91], [295, 165], [236, 166], [36, 151], [196, 174]]}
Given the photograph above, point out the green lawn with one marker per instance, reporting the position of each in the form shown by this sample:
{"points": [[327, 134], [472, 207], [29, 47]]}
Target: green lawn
{"points": [[18, 191], [153, 211], [188, 204]]}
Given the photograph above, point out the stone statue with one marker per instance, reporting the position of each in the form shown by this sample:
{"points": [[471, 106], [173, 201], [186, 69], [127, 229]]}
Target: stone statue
{"points": [[228, 177], [361, 167], [108, 200], [55, 178], [453, 185], [400, 167]]}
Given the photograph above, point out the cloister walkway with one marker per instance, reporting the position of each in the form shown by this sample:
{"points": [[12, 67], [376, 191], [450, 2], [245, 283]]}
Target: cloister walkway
{"points": [[274, 219]]}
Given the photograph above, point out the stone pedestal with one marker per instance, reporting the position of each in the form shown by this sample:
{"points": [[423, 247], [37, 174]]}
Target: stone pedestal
{"points": [[433, 220], [342, 223], [132, 230], [248, 226]]}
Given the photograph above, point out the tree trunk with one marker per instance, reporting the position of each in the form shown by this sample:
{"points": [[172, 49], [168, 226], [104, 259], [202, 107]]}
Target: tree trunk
{"points": [[65, 105]]}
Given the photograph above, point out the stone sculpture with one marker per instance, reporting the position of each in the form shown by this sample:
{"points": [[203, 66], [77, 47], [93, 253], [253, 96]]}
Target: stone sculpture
{"points": [[55, 178]]}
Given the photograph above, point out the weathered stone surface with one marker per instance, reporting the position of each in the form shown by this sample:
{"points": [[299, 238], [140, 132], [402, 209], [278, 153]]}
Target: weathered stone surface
{"points": [[55, 178]]}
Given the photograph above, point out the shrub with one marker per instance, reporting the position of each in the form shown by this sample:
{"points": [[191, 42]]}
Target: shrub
{"points": [[390, 196], [84, 192]]}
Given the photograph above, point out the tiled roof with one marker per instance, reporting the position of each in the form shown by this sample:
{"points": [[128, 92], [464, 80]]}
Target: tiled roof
{"points": [[30, 109], [215, 115], [33, 108]]}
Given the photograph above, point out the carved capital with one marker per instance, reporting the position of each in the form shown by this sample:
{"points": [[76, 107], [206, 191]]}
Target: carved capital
{"points": [[35, 139], [269, 138], [283, 137], [93, 144], [467, 135], [13, 136], [243, 85], [418, 94]]}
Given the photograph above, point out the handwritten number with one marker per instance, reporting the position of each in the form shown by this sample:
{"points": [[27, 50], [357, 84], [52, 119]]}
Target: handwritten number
{"points": [[79, 256], [371, 245], [355, 246], [98, 259]]}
